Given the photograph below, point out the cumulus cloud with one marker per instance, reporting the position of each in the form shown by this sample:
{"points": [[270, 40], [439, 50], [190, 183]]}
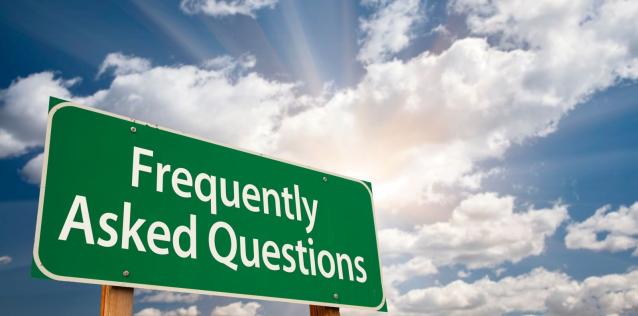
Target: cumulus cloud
{"points": [[483, 297], [394, 275], [122, 64], [237, 309], [430, 118], [5, 260], [620, 228], [229, 64], [165, 297], [32, 171], [188, 311], [209, 100], [484, 231], [217, 99], [539, 291], [592, 31], [423, 123], [218, 8], [613, 294], [389, 29], [23, 114], [417, 266]]}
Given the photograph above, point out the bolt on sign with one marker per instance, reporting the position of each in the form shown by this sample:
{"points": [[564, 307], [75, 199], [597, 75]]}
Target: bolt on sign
{"points": [[127, 203]]}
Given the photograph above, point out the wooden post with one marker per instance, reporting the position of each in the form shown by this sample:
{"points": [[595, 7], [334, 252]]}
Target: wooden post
{"points": [[316, 310], [116, 301]]}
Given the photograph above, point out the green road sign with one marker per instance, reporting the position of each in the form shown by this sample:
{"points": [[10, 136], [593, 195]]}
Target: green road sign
{"points": [[128, 203]]}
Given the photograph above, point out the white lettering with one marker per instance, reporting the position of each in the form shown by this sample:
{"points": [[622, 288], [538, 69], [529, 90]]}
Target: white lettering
{"points": [[153, 236], [137, 167], [108, 229], [192, 234], [357, 265], [79, 202], [176, 181], [268, 254], [247, 196], [211, 197], [312, 213], [129, 231], [161, 169], [228, 259]]}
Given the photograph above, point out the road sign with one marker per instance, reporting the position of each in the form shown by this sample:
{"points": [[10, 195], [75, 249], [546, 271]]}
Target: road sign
{"points": [[127, 203]]}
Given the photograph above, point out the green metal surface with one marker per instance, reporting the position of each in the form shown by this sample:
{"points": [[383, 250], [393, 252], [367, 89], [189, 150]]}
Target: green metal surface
{"points": [[90, 154]]}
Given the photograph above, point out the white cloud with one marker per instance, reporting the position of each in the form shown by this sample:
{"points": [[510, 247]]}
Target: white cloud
{"points": [[212, 101], [229, 64], [5, 260], [389, 29], [417, 266], [32, 171], [596, 32], [189, 311], [462, 274], [484, 231], [620, 227], [613, 294], [23, 114], [422, 123], [396, 274], [217, 100], [429, 119], [218, 8], [166, 297], [237, 309], [123, 64], [539, 291]]}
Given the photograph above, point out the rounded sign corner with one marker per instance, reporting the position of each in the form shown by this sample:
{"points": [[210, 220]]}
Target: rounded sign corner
{"points": [[366, 185], [382, 304], [59, 106], [40, 266]]}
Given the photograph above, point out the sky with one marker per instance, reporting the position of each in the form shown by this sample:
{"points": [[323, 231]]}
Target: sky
{"points": [[501, 137]]}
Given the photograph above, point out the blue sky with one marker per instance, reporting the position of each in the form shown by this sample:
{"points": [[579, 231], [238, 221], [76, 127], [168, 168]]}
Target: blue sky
{"points": [[494, 133]]}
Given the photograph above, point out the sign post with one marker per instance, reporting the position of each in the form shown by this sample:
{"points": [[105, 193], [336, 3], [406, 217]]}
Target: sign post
{"points": [[125, 203], [116, 301], [323, 311]]}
